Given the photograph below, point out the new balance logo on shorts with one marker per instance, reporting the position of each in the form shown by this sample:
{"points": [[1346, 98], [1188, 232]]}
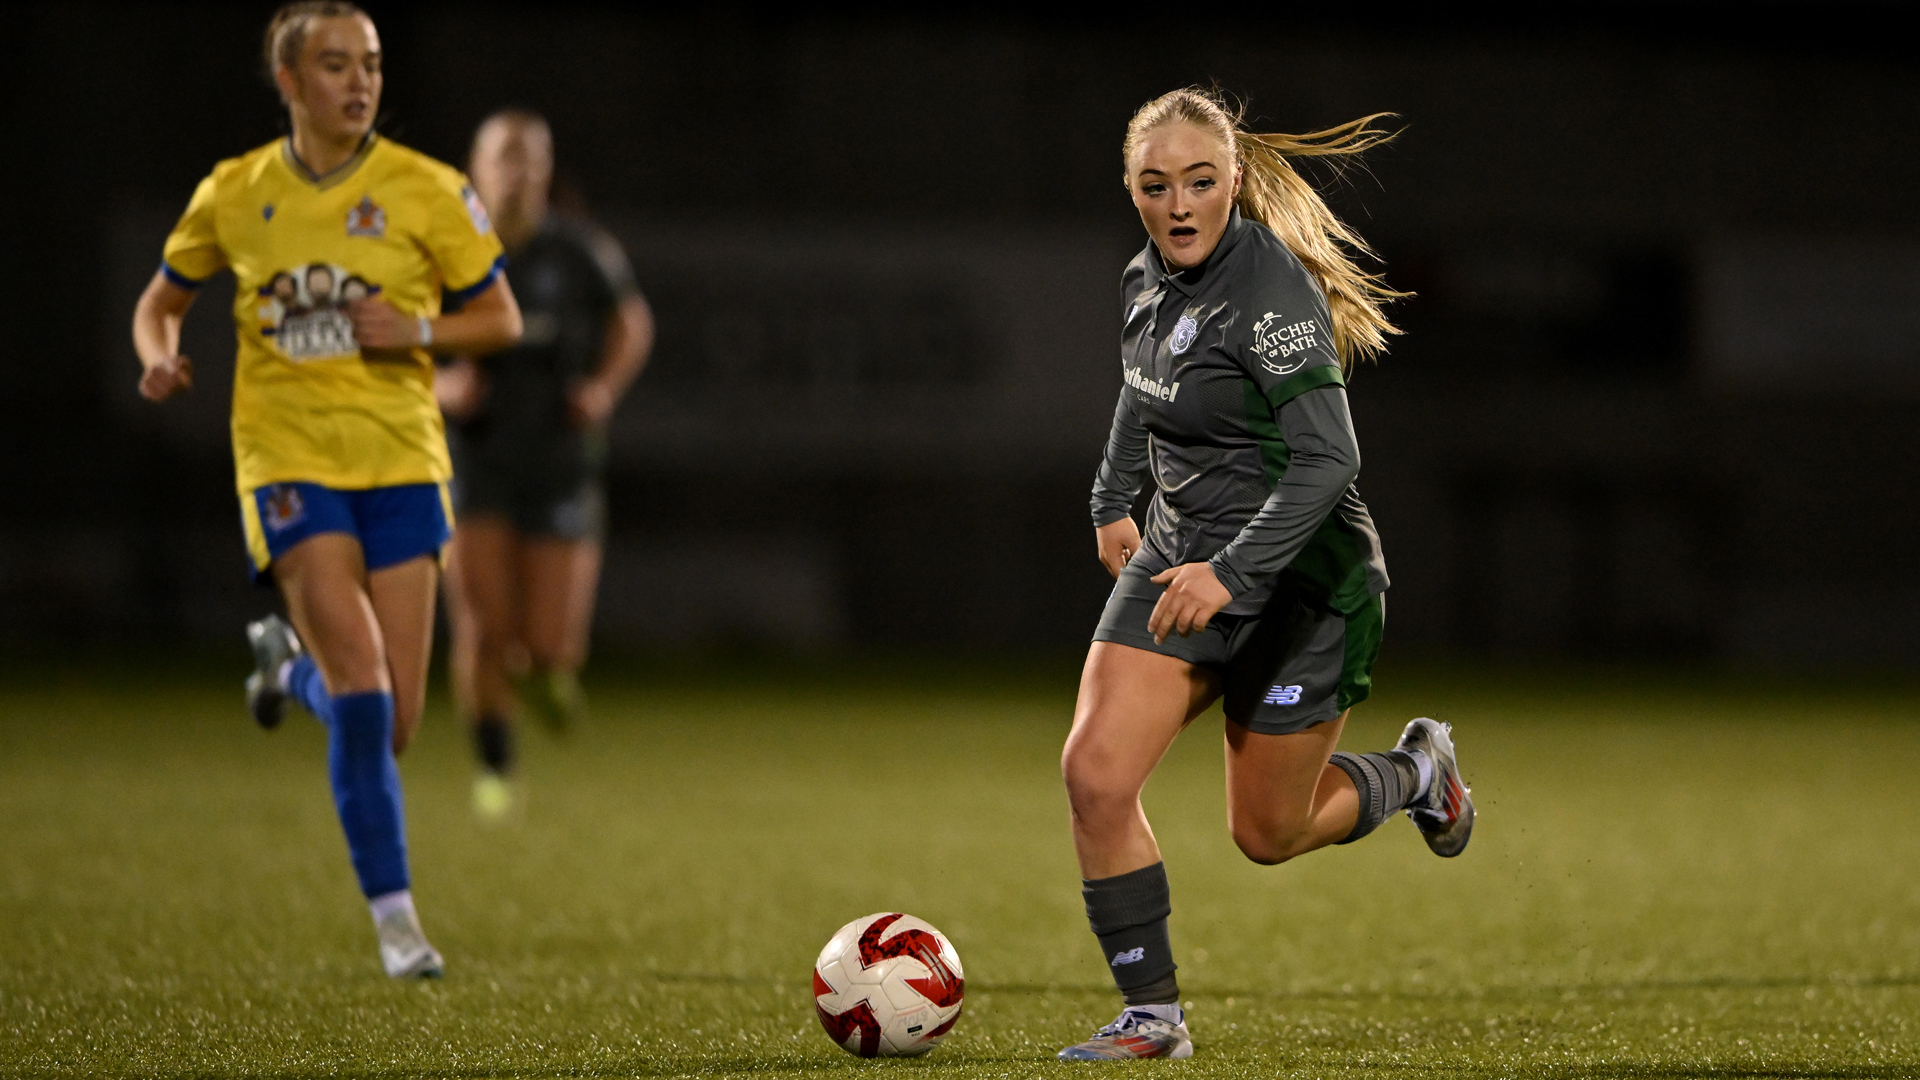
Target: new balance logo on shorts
{"points": [[1130, 956], [1283, 695]]}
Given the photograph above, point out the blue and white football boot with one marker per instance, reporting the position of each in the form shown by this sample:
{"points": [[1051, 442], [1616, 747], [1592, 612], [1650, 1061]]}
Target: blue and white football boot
{"points": [[1142, 1031], [1444, 810], [275, 645]]}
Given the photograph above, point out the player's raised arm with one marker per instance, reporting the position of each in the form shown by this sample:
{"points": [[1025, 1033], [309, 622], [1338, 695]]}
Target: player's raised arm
{"points": [[156, 338]]}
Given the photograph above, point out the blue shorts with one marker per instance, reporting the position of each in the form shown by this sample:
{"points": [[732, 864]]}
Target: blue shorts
{"points": [[393, 524]]}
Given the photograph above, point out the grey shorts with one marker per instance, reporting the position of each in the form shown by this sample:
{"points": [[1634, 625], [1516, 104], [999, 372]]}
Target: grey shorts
{"points": [[576, 510], [1284, 670]]}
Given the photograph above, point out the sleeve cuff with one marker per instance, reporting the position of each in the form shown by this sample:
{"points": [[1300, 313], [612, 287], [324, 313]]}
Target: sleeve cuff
{"points": [[1227, 576], [1310, 379], [461, 296], [179, 279], [1107, 516]]}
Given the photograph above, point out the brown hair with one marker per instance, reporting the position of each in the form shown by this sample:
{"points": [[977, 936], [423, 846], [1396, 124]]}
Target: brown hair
{"points": [[1276, 196], [287, 30]]}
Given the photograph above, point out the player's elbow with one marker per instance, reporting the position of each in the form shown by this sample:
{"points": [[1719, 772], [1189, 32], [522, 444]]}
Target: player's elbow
{"points": [[512, 327], [1342, 465]]}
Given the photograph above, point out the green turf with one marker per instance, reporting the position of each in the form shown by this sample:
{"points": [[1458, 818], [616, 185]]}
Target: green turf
{"points": [[1670, 879]]}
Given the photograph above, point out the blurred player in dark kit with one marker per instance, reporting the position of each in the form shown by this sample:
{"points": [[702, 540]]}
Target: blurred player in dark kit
{"points": [[345, 247], [528, 433], [1260, 576]]}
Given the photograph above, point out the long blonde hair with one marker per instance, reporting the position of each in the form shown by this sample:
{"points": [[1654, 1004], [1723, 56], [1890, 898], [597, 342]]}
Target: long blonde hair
{"points": [[1276, 196]]}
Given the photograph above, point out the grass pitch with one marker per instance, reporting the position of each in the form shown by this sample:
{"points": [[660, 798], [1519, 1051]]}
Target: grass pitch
{"points": [[1669, 879]]}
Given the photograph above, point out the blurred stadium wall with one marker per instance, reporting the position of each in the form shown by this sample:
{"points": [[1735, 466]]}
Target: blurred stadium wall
{"points": [[1658, 396]]}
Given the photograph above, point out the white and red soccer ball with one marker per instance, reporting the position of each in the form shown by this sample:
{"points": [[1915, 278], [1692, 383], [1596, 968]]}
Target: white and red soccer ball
{"points": [[888, 985]]}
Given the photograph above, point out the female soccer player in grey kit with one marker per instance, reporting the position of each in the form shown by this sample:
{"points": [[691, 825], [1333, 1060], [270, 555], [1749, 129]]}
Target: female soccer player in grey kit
{"points": [[527, 427], [1260, 576]]}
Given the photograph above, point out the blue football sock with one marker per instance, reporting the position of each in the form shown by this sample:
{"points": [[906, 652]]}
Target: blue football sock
{"points": [[366, 790], [309, 689]]}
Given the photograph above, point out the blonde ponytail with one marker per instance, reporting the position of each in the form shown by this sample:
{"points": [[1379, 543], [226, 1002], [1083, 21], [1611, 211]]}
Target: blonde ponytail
{"points": [[1276, 196]]}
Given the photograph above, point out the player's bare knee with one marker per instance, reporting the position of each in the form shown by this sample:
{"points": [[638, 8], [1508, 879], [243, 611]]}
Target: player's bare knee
{"points": [[1100, 800], [1270, 843]]}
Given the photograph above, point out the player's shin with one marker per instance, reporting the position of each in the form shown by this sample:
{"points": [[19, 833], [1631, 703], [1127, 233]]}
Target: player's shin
{"points": [[1386, 784], [1128, 914], [493, 743], [366, 790]]}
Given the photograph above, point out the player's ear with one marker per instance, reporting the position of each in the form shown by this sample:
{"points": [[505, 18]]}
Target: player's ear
{"points": [[285, 82]]}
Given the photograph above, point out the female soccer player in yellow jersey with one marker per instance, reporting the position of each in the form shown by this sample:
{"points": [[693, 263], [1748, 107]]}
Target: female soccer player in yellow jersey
{"points": [[342, 245]]}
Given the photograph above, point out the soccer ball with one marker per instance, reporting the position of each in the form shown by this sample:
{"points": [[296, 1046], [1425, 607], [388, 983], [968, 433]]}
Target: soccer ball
{"points": [[888, 985]]}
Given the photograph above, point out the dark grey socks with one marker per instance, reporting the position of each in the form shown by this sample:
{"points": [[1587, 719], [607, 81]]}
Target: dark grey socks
{"points": [[1128, 914], [1386, 784], [493, 742]]}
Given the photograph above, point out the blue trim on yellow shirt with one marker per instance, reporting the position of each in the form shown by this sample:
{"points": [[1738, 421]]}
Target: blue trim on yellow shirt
{"points": [[461, 296], [179, 278]]}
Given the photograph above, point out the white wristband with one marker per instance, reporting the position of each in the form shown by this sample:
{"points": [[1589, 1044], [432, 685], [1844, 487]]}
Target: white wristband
{"points": [[426, 331]]}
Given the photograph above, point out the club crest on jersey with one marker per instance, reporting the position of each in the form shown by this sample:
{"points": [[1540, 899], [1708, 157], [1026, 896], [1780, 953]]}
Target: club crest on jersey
{"points": [[284, 506], [1275, 342], [1184, 332], [302, 310], [367, 219], [476, 210]]}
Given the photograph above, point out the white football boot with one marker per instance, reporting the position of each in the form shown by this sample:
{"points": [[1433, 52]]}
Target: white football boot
{"points": [[1444, 811], [275, 645], [1142, 1031], [404, 950]]}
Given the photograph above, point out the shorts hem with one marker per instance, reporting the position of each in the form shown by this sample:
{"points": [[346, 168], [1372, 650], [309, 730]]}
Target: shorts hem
{"points": [[1289, 726], [1145, 643]]}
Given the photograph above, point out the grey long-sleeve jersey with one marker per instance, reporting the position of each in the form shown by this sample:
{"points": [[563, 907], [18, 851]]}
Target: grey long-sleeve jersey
{"points": [[1236, 406]]}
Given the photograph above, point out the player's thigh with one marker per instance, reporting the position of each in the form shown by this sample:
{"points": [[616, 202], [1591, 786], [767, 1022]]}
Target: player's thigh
{"points": [[482, 575], [1133, 703], [558, 579], [1275, 782], [403, 602], [323, 580]]}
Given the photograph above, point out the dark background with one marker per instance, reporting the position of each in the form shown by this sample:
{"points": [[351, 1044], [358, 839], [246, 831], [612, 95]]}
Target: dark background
{"points": [[1658, 394]]}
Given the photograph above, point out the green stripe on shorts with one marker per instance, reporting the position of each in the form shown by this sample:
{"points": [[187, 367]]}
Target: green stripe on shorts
{"points": [[1364, 628]]}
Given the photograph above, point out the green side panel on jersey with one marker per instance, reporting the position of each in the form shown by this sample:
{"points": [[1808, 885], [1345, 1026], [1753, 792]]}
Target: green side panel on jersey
{"points": [[1331, 566], [1274, 453], [1310, 379]]}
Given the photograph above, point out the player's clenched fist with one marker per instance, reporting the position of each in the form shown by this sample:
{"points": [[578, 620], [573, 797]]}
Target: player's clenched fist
{"points": [[1117, 541], [379, 325], [166, 378]]}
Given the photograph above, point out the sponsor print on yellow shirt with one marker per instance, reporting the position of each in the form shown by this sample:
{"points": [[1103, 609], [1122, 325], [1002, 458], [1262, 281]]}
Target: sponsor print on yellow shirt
{"points": [[308, 405]]}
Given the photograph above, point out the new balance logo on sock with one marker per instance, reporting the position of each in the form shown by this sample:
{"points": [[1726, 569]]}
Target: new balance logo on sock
{"points": [[1283, 695], [1130, 956]]}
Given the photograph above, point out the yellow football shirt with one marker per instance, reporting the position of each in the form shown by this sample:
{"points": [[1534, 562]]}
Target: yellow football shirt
{"points": [[307, 403]]}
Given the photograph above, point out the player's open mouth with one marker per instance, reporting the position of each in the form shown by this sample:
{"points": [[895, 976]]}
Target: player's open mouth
{"points": [[1180, 231]]}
